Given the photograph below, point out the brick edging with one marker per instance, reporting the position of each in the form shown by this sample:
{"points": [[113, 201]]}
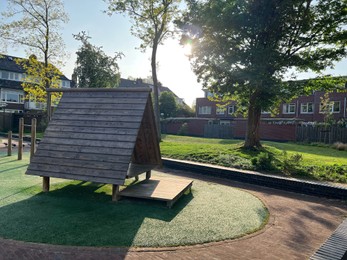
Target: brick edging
{"points": [[282, 183]]}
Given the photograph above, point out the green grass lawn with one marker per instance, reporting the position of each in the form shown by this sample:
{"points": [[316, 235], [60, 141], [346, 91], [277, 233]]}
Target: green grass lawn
{"points": [[315, 162], [81, 213]]}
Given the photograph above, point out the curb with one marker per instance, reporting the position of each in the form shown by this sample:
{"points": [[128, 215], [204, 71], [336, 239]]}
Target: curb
{"points": [[256, 178]]}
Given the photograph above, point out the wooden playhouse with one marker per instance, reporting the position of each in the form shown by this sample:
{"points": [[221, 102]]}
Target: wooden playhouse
{"points": [[104, 136]]}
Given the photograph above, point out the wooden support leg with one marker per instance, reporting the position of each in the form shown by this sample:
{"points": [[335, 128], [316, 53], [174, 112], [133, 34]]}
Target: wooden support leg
{"points": [[20, 141], [9, 143], [33, 138], [148, 175], [45, 184], [115, 192]]}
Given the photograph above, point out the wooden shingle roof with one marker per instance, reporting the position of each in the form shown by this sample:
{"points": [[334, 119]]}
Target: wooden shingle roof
{"points": [[95, 134]]}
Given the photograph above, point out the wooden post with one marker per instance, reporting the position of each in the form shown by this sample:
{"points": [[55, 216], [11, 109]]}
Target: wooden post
{"points": [[20, 141], [49, 106], [148, 175], [45, 184], [115, 192], [33, 138], [9, 143]]}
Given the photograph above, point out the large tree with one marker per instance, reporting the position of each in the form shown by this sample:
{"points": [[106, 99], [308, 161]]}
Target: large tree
{"points": [[35, 25], [151, 23], [168, 105], [244, 48], [93, 68]]}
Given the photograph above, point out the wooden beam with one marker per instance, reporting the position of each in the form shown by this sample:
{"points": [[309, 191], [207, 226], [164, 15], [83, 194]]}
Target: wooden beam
{"points": [[148, 175], [33, 138], [115, 193], [49, 104], [9, 143], [20, 141], [45, 184]]}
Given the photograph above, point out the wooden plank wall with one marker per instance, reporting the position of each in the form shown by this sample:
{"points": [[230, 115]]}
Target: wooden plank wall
{"points": [[91, 136], [147, 149]]}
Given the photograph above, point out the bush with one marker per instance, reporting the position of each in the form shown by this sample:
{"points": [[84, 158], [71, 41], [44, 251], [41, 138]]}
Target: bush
{"points": [[292, 164], [229, 160], [340, 146], [264, 162], [183, 129], [330, 173]]}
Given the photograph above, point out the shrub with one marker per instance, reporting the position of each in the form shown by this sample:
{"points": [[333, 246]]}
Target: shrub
{"points": [[230, 160], [264, 161], [292, 164], [340, 146], [183, 129]]}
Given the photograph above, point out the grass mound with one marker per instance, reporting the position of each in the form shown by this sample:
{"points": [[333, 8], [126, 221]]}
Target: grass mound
{"points": [[81, 213], [298, 160]]}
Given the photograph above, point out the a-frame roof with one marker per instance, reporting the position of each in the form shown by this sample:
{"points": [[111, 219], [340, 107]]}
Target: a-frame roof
{"points": [[95, 134]]}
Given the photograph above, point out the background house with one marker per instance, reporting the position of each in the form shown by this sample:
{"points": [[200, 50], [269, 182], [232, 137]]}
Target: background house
{"points": [[12, 96], [213, 120], [140, 83], [304, 108], [13, 103]]}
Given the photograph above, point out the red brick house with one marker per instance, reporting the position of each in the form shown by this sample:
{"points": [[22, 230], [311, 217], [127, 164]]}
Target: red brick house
{"points": [[303, 108]]}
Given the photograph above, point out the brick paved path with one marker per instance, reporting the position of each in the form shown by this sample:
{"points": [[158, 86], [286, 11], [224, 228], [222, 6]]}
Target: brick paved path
{"points": [[298, 225]]}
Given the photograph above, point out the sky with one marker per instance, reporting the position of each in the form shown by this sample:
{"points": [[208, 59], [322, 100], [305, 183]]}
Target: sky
{"points": [[113, 34]]}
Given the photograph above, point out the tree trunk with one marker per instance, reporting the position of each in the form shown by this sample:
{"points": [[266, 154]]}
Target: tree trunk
{"points": [[253, 124], [155, 84]]}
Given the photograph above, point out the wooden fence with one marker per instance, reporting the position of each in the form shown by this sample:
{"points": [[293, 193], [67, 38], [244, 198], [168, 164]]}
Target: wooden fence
{"points": [[218, 131], [321, 134]]}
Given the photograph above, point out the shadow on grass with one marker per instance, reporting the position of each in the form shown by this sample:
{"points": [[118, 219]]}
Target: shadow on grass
{"points": [[14, 168], [80, 213]]}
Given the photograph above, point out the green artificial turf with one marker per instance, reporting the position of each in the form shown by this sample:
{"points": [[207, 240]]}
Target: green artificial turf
{"points": [[323, 163], [81, 213]]}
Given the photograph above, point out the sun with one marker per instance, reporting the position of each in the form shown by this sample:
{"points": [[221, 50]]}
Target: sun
{"points": [[187, 49]]}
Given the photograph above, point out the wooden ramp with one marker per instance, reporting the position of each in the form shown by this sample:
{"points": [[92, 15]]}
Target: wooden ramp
{"points": [[163, 188]]}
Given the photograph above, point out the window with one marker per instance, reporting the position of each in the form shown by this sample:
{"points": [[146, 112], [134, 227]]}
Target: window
{"points": [[224, 122], [65, 84], [307, 108], [332, 107], [11, 75], [12, 97], [205, 110], [220, 110], [289, 108], [4, 75], [231, 110]]}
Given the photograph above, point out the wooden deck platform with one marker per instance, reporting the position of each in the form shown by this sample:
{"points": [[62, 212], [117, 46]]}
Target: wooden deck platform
{"points": [[159, 188]]}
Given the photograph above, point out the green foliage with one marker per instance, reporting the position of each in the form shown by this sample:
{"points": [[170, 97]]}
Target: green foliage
{"points": [[263, 162], [243, 49], [298, 160], [167, 104], [95, 69], [340, 146], [184, 111], [292, 164], [152, 25], [39, 76], [151, 18], [35, 25], [183, 129]]}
